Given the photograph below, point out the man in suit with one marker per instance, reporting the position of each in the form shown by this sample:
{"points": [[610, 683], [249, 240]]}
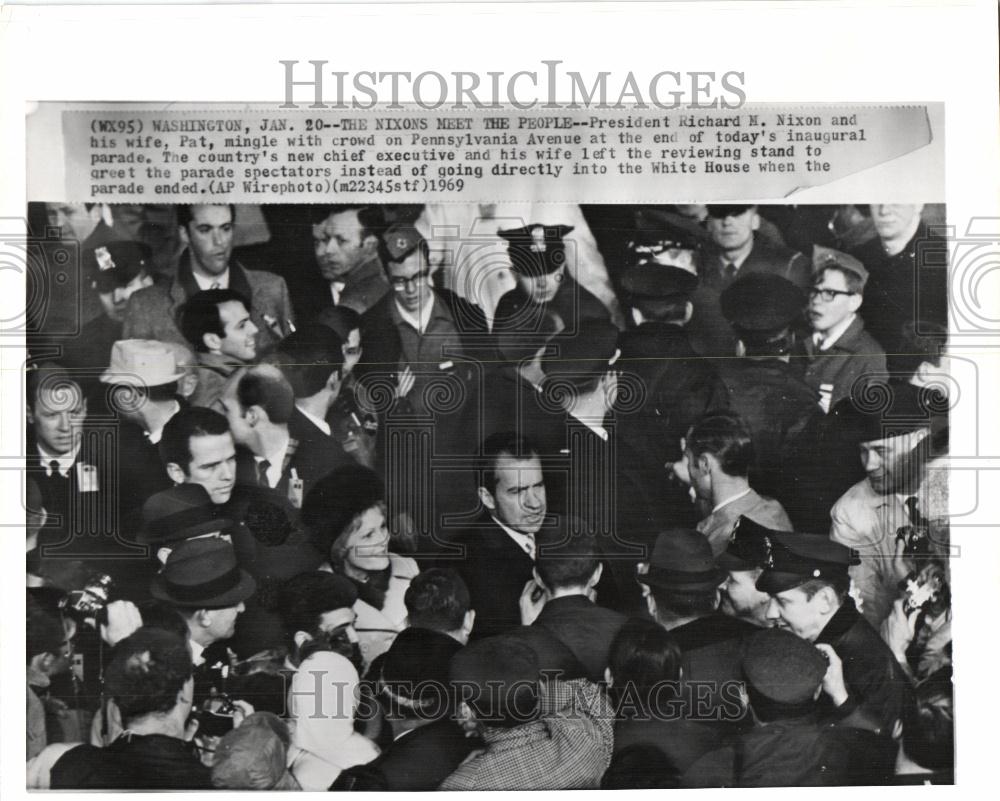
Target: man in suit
{"points": [[764, 388], [681, 586], [717, 457], [313, 362], [427, 744], [258, 404], [73, 465], [207, 231], [679, 385], [736, 251], [908, 274], [567, 571], [499, 552], [346, 241]]}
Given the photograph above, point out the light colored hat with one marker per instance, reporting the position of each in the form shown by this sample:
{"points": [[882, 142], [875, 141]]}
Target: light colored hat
{"points": [[141, 363]]}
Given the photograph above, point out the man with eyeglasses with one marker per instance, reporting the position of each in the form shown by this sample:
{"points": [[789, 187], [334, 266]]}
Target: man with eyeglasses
{"points": [[840, 351], [417, 338]]}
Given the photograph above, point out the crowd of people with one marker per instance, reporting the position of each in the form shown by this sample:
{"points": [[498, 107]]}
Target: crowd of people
{"points": [[467, 497]]}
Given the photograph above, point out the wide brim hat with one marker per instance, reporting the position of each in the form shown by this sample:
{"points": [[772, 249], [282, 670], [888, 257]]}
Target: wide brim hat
{"points": [[682, 561], [203, 574], [115, 264], [142, 363], [180, 513]]}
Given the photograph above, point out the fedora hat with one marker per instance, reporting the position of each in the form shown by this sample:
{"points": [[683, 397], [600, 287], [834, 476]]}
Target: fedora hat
{"points": [[682, 561], [142, 363], [180, 513], [203, 574]]}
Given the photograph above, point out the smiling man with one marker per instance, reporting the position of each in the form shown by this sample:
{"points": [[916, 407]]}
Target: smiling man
{"points": [[207, 263], [806, 577]]}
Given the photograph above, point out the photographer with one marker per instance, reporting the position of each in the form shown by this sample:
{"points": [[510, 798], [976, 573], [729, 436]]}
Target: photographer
{"points": [[150, 679], [918, 629]]}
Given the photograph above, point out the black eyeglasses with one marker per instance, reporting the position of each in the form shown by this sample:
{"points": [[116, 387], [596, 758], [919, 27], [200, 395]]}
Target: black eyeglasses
{"points": [[399, 283], [827, 294]]}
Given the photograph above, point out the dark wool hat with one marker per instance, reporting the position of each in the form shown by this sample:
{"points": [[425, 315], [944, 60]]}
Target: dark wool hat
{"points": [[783, 668], [682, 562], [336, 499], [794, 559], [883, 409], [536, 250], [180, 513], [203, 574], [747, 547], [662, 281], [116, 264], [761, 302], [498, 678]]}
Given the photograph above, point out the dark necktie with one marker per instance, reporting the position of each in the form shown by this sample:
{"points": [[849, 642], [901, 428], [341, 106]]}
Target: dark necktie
{"points": [[54, 470], [916, 518], [728, 272], [262, 467]]}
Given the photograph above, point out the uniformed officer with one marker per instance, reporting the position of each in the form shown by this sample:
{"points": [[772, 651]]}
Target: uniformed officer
{"points": [[540, 261], [763, 388], [807, 579], [677, 386]]}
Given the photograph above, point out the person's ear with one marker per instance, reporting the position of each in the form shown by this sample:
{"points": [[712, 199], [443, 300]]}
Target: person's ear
{"points": [[182, 230], [204, 617], [595, 577], [537, 578], [185, 695], [468, 622], [187, 384], [854, 302], [608, 678], [29, 414], [212, 341], [465, 713], [651, 605], [177, 475], [333, 382], [897, 729], [254, 415], [754, 221], [301, 638], [163, 554], [487, 499], [828, 600], [369, 244], [688, 312], [704, 463], [818, 692]]}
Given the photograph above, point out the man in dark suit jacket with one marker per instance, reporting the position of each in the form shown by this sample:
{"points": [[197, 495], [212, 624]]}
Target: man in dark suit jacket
{"points": [[345, 243], [259, 405], [427, 744], [567, 571], [681, 585], [736, 252], [73, 464], [908, 275], [207, 230], [498, 553]]}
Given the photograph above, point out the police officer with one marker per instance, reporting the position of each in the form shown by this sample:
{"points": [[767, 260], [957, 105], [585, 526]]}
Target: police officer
{"points": [[541, 264], [807, 579], [763, 387], [677, 386]]}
